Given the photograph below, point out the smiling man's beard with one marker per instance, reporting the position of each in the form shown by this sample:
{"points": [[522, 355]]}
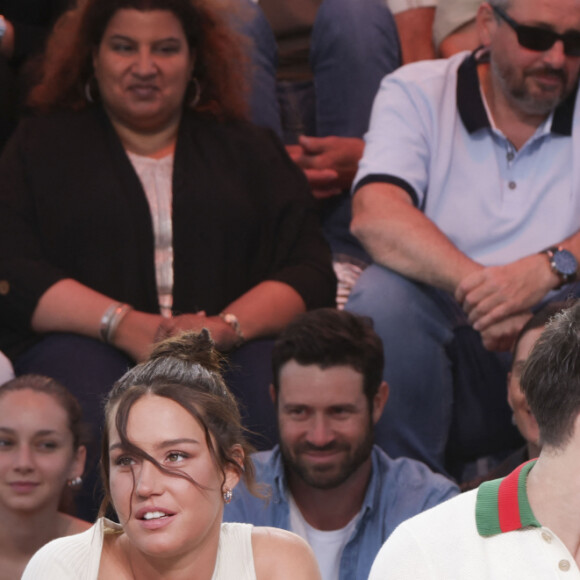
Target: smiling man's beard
{"points": [[329, 475]]}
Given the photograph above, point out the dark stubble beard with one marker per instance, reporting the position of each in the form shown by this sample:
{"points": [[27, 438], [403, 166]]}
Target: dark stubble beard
{"points": [[519, 93], [320, 476]]}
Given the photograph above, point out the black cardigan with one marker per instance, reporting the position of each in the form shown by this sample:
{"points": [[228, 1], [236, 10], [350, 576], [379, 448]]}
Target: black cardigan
{"points": [[72, 206]]}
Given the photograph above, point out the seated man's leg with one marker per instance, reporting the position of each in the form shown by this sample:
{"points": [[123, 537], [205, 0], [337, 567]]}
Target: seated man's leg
{"points": [[249, 377], [424, 331], [8, 108], [263, 56], [482, 425], [86, 367], [354, 45], [416, 332]]}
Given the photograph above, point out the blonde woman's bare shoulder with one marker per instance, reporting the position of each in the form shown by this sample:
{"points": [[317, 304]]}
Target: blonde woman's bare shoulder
{"points": [[282, 555]]}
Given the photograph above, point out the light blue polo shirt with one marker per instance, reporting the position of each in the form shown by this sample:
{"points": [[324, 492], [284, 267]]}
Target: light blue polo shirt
{"points": [[430, 133]]}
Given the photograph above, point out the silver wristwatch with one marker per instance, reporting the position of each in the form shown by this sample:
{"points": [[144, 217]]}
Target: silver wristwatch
{"points": [[3, 27], [563, 264]]}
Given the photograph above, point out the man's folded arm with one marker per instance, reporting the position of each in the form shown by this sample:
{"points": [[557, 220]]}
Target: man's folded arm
{"points": [[399, 236]]}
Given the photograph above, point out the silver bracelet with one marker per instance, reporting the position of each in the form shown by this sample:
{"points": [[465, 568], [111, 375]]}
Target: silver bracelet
{"points": [[232, 320], [111, 319]]}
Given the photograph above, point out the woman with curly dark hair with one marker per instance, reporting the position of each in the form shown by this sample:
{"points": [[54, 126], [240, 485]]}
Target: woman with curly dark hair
{"points": [[140, 204]]}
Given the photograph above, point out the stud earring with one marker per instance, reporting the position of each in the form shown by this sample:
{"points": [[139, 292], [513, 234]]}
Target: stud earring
{"points": [[75, 483]]}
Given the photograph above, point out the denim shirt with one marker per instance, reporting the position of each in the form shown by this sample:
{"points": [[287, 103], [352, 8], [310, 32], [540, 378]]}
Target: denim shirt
{"points": [[398, 489]]}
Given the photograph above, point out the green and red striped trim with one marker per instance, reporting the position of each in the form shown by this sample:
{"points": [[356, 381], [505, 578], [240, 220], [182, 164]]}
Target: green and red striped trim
{"points": [[502, 505]]}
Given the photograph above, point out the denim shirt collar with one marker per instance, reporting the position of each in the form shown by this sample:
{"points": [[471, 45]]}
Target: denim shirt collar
{"points": [[280, 486], [280, 489]]}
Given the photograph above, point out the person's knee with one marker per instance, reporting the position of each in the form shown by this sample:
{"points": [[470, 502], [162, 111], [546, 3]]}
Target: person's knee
{"points": [[368, 21], [379, 290], [404, 311], [247, 17], [357, 10], [358, 32]]}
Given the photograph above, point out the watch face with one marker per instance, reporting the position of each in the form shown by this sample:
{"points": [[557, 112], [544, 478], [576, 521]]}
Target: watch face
{"points": [[565, 263]]}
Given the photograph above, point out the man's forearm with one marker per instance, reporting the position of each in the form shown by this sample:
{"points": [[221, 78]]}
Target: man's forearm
{"points": [[415, 28], [400, 237]]}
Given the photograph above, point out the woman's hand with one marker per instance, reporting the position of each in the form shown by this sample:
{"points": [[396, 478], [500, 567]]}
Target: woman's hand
{"points": [[329, 163], [136, 334], [224, 336], [69, 306]]}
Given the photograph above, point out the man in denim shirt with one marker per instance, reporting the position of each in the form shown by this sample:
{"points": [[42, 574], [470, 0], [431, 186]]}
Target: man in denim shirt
{"points": [[328, 482]]}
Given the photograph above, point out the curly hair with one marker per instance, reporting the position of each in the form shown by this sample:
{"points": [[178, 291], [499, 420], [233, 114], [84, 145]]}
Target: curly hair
{"points": [[220, 63]]}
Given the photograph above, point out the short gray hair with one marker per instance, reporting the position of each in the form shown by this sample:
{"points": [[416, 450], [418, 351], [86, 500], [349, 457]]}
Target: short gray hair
{"points": [[551, 377]]}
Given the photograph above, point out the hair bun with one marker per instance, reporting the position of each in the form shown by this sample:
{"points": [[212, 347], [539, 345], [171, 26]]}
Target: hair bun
{"points": [[190, 347]]}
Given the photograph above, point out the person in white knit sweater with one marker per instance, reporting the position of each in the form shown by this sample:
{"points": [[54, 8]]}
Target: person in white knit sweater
{"points": [[526, 525]]}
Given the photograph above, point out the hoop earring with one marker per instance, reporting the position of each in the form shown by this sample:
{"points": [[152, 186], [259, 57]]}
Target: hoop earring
{"points": [[194, 101], [75, 483], [88, 91], [228, 494]]}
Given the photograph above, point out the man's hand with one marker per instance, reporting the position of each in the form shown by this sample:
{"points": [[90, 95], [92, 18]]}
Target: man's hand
{"points": [[415, 28], [329, 163], [502, 335], [495, 293]]}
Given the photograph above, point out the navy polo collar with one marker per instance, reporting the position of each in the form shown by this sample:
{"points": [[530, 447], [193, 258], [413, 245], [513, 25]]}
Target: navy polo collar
{"points": [[472, 110]]}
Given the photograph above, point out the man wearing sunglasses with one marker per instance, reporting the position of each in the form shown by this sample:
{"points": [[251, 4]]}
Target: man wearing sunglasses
{"points": [[468, 199]]}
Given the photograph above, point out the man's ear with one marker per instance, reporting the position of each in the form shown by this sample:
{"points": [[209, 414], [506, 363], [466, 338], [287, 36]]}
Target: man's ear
{"points": [[273, 394], [509, 399], [486, 23], [379, 401]]}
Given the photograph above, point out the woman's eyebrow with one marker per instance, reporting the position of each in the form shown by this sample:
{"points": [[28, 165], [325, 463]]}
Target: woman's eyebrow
{"points": [[163, 444], [173, 442]]}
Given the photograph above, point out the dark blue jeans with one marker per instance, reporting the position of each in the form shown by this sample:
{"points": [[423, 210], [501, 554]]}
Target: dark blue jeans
{"points": [[354, 44], [8, 104], [447, 401]]}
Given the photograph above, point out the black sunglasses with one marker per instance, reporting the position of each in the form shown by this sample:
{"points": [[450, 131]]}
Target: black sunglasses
{"points": [[541, 39]]}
